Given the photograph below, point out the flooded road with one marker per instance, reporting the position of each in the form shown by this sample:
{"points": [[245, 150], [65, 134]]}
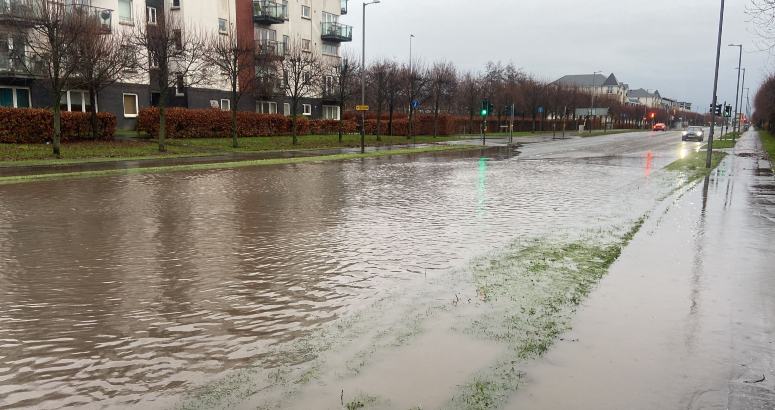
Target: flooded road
{"points": [[133, 291]]}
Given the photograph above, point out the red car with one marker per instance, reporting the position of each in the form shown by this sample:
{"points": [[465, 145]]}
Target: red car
{"points": [[660, 127]]}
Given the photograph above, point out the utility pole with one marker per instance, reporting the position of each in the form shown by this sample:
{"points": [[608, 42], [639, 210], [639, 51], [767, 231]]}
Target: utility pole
{"points": [[363, 79], [411, 36], [741, 107], [737, 89], [709, 159]]}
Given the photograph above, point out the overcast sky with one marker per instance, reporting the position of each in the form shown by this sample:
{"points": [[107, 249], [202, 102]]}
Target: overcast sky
{"points": [[668, 45]]}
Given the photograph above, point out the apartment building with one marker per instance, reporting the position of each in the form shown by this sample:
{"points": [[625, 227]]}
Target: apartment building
{"points": [[270, 24], [597, 84]]}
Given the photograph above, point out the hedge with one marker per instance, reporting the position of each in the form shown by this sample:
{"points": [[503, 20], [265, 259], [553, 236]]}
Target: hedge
{"points": [[34, 125], [212, 123]]}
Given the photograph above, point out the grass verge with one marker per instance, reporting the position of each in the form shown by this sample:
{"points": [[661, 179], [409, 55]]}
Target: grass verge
{"points": [[14, 155], [222, 165], [307, 142], [721, 144], [693, 165], [768, 140]]}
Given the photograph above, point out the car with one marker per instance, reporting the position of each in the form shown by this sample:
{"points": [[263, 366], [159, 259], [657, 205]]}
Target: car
{"points": [[660, 127], [695, 133]]}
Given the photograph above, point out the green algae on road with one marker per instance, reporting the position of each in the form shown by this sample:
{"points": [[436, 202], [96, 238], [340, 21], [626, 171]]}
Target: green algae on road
{"points": [[225, 165]]}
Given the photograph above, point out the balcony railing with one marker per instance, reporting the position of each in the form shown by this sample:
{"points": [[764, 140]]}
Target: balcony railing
{"points": [[337, 32], [16, 10], [344, 7], [104, 17], [20, 64], [269, 12], [270, 48]]}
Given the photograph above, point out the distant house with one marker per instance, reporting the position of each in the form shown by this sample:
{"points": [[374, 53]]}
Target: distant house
{"points": [[644, 97], [597, 84]]}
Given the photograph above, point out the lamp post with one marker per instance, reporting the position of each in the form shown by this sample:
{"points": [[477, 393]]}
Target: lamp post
{"points": [[709, 158], [593, 98], [741, 106], [737, 90], [363, 79], [411, 36], [747, 102]]}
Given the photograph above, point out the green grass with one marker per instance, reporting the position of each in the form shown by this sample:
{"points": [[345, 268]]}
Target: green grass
{"points": [[306, 142], [596, 134], [727, 143], [768, 140], [693, 165], [506, 134], [223, 165], [85, 151]]}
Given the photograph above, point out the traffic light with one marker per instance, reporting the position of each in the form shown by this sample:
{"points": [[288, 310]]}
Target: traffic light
{"points": [[490, 109], [567, 111], [507, 111], [652, 115], [485, 107], [728, 111], [717, 111]]}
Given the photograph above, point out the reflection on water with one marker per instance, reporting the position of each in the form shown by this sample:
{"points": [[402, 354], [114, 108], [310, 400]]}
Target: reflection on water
{"points": [[118, 290]]}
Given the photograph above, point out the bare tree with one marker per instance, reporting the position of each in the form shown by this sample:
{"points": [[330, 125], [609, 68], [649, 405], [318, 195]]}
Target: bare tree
{"points": [[235, 58], [471, 92], [46, 35], [172, 53], [101, 60], [762, 13], [303, 74], [379, 77], [417, 78], [443, 81], [394, 84], [345, 81]]}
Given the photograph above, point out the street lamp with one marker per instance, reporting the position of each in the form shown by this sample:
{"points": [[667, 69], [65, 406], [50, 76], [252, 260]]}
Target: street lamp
{"points": [[411, 36], [747, 102], [363, 79], [593, 98], [737, 90], [741, 106]]}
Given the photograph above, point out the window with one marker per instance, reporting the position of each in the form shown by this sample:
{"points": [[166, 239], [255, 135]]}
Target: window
{"points": [[286, 40], [14, 97], [305, 78], [330, 49], [130, 106], [330, 112], [305, 12], [222, 26], [175, 4], [330, 18], [151, 15], [307, 109], [329, 85], [610, 90], [266, 107], [178, 36], [305, 45], [125, 11], [287, 109], [180, 86], [153, 60], [285, 6], [225, 104], [75, 100]]}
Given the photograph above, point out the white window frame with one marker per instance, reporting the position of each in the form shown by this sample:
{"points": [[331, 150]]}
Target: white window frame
{"points": [[137, 105], [336, 49], [287, 109], [15, 90], [307, 109], [306, 45], [180, 91], [151, 15], [306, 13], [84, 95], [334, 108], [225, 28], [270, 104], [225, 104], [174, 7], [131, 20]]}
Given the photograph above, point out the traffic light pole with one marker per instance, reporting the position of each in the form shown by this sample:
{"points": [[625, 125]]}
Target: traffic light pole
{"points": [[484, 130], [708, 160], [511, 127]]}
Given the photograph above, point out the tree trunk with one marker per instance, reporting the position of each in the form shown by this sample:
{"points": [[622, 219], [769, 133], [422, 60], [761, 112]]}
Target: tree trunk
{"points": [[294, 111], [534, 121], [436, 121], [471, 122], [162, 120], [390, 121], [409, 134], [95, 127], [57, 129], [341, 110], [379, 117]]}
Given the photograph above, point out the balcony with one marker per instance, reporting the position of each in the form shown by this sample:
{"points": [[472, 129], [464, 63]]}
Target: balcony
{"points": [[103, 17], [16, 10], [344, 7], [268, 12], [337, 32], [270, 48], [24, 65]]}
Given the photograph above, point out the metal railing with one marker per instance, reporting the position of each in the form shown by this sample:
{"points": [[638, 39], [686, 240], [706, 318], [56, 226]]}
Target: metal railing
{"points": [[104, 17], [19, 9], [269, 10], [20, 64], [25, 10], [337, 32], [270, 47]]}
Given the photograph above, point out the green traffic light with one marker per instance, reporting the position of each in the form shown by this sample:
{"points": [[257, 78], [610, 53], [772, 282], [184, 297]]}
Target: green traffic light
{"points": [[484, 112]]}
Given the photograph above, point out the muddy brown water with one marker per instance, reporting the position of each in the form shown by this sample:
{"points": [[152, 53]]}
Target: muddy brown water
{"points": [[124, 291]]}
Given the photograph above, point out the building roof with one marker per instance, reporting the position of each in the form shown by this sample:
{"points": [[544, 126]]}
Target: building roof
{"points": [[639, 93], [583, 80], [611, 81]]}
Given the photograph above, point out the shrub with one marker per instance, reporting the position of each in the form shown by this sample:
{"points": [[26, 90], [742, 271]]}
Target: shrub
{"points": [[34, 125]]}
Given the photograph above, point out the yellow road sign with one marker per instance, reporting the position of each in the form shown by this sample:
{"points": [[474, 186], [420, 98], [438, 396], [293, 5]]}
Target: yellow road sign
{"points": [[361, 108]]}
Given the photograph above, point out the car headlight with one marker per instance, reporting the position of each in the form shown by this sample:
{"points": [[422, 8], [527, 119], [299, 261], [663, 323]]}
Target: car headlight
{"points": [[684, 133], [699, 134]]}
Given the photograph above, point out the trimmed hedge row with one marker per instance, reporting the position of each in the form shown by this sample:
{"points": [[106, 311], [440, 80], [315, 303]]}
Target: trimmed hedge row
{"points": [[212, 123], [34, 125]]}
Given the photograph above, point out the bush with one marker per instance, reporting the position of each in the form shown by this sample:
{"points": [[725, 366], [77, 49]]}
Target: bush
{"points": [[33, 125], [211, 123]]}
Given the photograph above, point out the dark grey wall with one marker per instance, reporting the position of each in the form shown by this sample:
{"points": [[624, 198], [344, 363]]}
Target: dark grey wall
{"points": [[111, 100]]}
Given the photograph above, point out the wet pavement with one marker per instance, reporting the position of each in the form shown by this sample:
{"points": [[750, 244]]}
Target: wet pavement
{"points": [[132, 291]]}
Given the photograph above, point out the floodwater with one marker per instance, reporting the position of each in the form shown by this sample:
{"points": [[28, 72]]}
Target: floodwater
{"points": [[132, 291]]}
